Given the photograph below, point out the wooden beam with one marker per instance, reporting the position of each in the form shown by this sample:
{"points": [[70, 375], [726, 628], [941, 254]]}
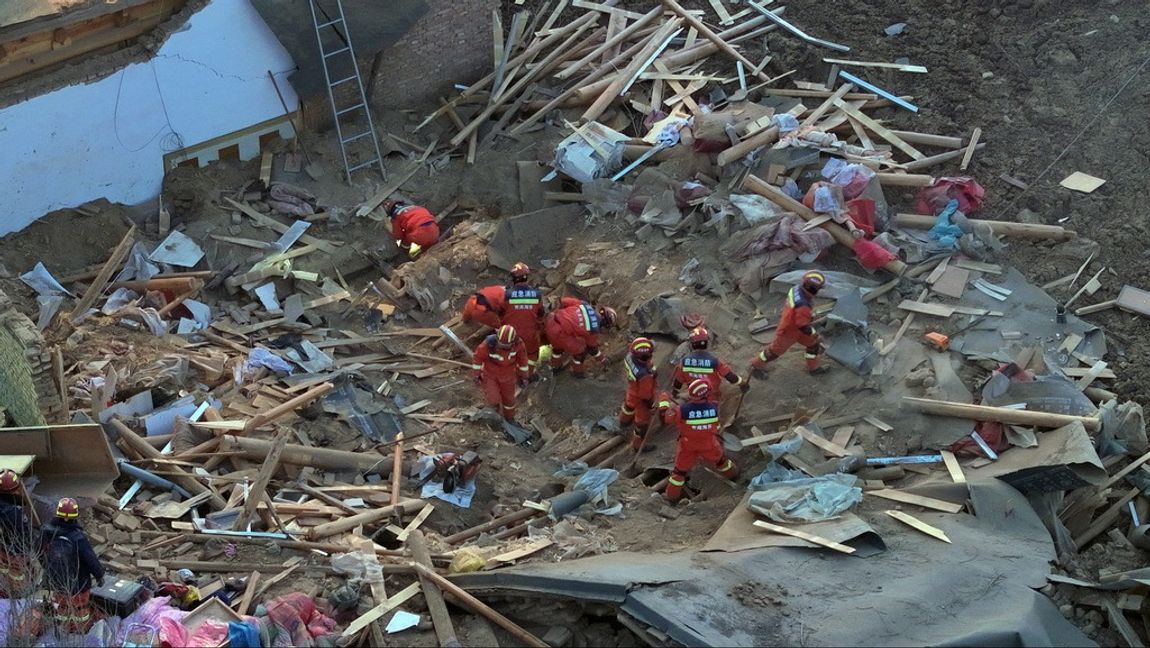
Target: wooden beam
{"points": [[970, 148], [879, 129], [282, 410], [706, 32], [1001, 228], [999, 414], [369, 617], [258, 488], [105, 274], [440, 617], [475, 605]]}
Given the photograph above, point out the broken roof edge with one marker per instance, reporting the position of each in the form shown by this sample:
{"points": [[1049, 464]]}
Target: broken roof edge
{"points": [[88, 67]]}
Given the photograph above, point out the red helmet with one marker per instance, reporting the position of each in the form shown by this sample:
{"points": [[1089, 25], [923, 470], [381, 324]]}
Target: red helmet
{"points": [[520, 271], [9, 481], [506, 336], [814, 281], [698, 390], [699, 337], [692, 320], [607, 316], [67, 509], [642, 348]]}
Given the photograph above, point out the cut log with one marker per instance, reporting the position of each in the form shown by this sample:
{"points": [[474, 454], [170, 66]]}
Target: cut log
{"points": [[178, 475], [300, 455], [1001, 228], [282, 410], [999, 414], [365, 518]]}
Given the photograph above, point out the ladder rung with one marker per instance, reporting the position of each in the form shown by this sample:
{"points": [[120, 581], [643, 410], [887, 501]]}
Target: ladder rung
{"points": [[350, 78], [347, 110], [338, 51], [362, 165], [357, 137], [329, 24]]}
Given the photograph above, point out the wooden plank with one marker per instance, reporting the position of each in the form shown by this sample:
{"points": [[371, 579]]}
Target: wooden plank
{"points": [[952, 283], [953, 467], [821, 443], [1134, 300], [842, 437], [1117, 477], [763, 438], [1091, 375], [258, 488], [399, 598], [105, 275], [879, 129], [1119, 623], [523, 552], [918, 525], [917, 500], [327, 246], [721, 11], [878, 423], [245, 602], [970, 148], [901, 67], [803, 535], [936, 310], [1079, 372], [414, 524]]}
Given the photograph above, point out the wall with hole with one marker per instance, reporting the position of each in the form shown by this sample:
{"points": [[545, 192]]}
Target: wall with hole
{"points": [[109, 138]]}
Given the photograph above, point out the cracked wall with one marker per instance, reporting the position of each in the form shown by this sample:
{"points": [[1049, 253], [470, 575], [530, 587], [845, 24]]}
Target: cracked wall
{"points": [[28, 391], [108, 138]]}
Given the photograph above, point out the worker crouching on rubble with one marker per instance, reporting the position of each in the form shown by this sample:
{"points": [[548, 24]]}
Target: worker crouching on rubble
{"points": [[71, 566], [524, 312], [698, 422], [795, 327], [642, 381], [413, 227], [573, 330], [500, 364], [15, 538], [486, 306]]}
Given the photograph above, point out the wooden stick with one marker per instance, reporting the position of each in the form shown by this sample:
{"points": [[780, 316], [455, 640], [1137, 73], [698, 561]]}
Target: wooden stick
{"points": [[101, 281], [826, 105], [999, 414], [368, 517], [440, 618], [249, 592], [706, 32], [880, 130], [919, 525], [970, 148], [953, 467], [324, 497], [904, 180], [171, 306], [840, 234], [1106, 519], [263, 418], [397, 469], [740, 150], [475, 605], [616, 86], [381, 609], [929, 139], [934, 160], [503, 520], [258, 488], [803, 535], [611, 42], [1001, 228], [917, 500]]}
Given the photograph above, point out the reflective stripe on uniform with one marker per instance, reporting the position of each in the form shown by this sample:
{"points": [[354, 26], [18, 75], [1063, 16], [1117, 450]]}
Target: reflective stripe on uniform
{"points": [[810, 356], [702, 422], [763, 355], [523, 302], [477, 367], [727, 465], [675, 481], [628, 411]]}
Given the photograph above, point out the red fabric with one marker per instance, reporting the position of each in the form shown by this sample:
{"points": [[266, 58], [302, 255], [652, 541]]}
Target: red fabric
{"points": [[696, 442], [415, 225], [871, 255], [785, 339], [796, 315], [566, 332], [297, 614], [862, 212], [499, 391], [490, 315], [993, 433], [966, 190]]}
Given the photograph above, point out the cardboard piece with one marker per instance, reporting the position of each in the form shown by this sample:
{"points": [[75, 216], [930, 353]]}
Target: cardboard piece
{"points": [[1063, 460], [1079, 181], [738, 533]]}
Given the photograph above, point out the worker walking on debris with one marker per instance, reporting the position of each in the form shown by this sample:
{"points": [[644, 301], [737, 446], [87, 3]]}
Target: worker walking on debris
{"points": [[413, 227], [642, 381], [500, 365], [701, 364], [524, 311], [71, 566], [573, 330], [15, 538], [698, 423], [795, 327], [486, 306]]}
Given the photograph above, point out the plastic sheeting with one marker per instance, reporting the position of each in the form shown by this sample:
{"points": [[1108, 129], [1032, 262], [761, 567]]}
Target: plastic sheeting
{"points": [[812, 499]]}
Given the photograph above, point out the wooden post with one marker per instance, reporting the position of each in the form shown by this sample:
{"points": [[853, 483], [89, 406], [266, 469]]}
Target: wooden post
{"points": [[274, 413], [145, 449], [249, 592], [482, 609], [706, 32], [368, 517], [1001, 228], [999, 414], [616, 87], [840, 234], [738, 151], [503, 520], [444, 629], [299, 455], [197, 284], [397, 469], [258, 488]]}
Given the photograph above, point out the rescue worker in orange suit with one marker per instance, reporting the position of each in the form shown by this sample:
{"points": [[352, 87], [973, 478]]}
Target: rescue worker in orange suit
{"points": [[16, 539], [500, 365], [486, 306], [698, 422], [795, 327], [642, 383], [573, 330], [412, 224], [701, 364], [71, 567], [523, 311]]}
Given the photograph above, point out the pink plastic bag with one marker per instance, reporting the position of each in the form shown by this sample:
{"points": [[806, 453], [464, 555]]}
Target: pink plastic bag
{"points": [[871, 255], [966, 191]]}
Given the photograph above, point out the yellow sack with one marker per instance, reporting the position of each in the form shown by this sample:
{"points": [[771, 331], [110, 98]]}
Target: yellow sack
{"points": [[466, 561]]}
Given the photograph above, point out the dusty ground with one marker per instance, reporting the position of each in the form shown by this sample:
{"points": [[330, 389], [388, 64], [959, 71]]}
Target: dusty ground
{"points": [[1034, 75]]}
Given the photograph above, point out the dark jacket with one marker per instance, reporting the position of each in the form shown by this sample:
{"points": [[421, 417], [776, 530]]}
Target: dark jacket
{"points": [[70, 563], [16, 533]]}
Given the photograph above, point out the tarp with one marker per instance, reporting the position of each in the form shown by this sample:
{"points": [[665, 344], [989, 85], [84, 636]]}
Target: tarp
{"points": [[974, 592]]}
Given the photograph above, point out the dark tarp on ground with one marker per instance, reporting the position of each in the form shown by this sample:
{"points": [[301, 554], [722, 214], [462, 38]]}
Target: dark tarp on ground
{"points": [[974, 592]]}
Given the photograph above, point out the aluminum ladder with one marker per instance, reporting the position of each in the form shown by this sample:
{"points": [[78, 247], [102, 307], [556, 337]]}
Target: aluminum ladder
{"points": [[338, 58]]}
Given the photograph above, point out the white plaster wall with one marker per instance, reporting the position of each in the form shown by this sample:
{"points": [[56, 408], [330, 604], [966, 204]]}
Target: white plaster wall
{"points": [[108, 138]]}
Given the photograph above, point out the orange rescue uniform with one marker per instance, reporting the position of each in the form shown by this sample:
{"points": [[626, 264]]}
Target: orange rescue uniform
{"points": [[573, 330], [698, 425], [498, 371], [794, 328], [414, 224], [523, 311], [486, 306]]}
